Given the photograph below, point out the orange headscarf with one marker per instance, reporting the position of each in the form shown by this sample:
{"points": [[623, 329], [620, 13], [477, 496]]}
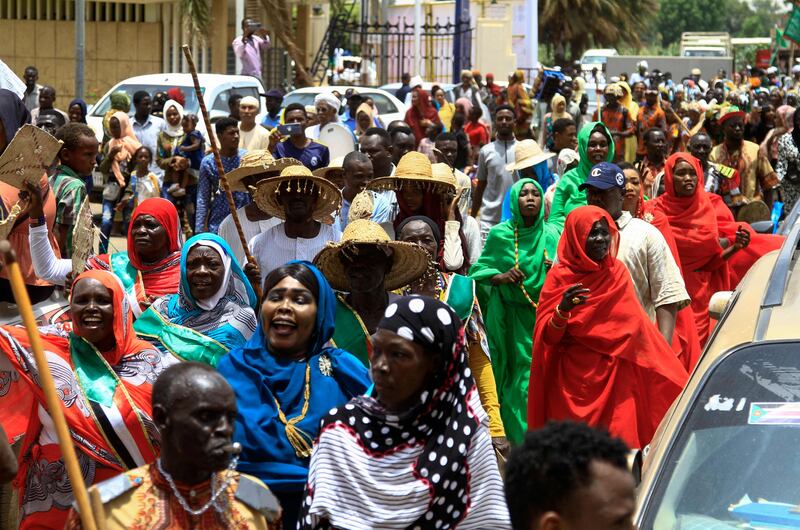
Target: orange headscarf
{"points": [[127, 142]]}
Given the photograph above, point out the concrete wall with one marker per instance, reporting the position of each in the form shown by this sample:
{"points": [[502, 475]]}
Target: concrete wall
{"points": [[114, 51]]}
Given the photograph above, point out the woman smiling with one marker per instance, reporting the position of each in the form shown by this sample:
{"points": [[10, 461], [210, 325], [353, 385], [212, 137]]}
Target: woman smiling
{"points": [[214, 310], [104, 375], [416, 453], [286, 378]]}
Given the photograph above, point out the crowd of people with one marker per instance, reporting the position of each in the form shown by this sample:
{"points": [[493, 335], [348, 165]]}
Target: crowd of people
{"points": [[454, 326]]}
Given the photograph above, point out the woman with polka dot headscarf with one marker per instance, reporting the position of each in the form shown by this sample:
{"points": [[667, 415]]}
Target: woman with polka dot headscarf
{"points": [[415, 452]]}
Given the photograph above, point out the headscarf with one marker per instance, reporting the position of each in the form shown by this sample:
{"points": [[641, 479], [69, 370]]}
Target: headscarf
{"points": [[82, 104], [177, 95], [118, 381], [692, 219], [466, 103], [13, 113], [437, 234], [577, 95], [568, 196], [127, 142], [369, 111], [554, 115], [261, 379], [627, 100], [227, 318], [328, 98], [120, 100], [177, 130], [612, 368], [796, 129], [423, 452], [423, 110], [167, 216], [535, 244]]}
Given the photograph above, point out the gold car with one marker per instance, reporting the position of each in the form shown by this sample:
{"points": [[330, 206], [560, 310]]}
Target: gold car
{"points": [[727, 454]]}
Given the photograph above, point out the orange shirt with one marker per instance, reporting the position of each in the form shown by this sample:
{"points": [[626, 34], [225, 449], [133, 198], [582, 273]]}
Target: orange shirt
{"points": [[649, 117]]}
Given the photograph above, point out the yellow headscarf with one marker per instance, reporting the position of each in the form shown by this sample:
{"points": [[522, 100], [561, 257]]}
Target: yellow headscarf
{"points": [[554, 114], [627, 100]]}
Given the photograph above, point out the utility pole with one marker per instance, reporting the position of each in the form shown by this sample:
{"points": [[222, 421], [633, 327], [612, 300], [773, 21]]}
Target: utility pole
{"points": [[80, 47], [462, 45], [417, 37], [532, 27]]}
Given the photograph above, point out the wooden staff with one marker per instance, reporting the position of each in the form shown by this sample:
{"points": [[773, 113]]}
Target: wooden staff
{"points": [[48, 387], [223, 180]]}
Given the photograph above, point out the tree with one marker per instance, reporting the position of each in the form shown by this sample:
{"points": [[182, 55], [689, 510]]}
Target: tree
{"points": [[196, 17], [677, 16], [579, 24]]}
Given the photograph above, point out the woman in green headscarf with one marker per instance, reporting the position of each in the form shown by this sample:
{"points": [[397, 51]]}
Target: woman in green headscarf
{"points": [[511, 270], [595, 145]]}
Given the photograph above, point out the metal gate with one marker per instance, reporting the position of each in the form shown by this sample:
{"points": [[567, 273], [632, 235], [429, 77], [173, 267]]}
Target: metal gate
{"points": [[389, 47]]}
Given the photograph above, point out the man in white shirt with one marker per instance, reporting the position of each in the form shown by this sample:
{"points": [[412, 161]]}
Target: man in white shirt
{"points": [[147, 127], [303, 201], [656, 277], [252, 136]]}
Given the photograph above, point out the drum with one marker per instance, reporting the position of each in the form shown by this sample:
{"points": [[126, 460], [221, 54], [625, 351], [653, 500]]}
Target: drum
{"points": [[751, 212], [338, 138]]}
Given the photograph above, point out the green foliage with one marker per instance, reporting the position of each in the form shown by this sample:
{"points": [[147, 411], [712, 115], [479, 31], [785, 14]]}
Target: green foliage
{"points": [[197, 17], [740, 18]]}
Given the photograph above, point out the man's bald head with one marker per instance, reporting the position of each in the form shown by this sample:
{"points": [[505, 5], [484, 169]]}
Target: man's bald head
{"points": [[183, 380]]}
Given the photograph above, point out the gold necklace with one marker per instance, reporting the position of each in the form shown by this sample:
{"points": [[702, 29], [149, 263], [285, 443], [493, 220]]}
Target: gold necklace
{"points": [[300, 440]]}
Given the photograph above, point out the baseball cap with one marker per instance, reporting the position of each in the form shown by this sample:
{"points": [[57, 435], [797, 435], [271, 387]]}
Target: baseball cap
{"points": [[274, 93], [603, 176]]}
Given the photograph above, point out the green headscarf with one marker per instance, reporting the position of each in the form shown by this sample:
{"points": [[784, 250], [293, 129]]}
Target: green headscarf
{"points": [[567, 195], [535, 243]]}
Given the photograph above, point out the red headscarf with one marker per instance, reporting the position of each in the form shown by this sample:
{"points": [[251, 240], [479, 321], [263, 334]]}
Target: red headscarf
{"points": [[423, 110], [694, 225], [71, 360], [610, 366], [163, 277], [176, 94]]}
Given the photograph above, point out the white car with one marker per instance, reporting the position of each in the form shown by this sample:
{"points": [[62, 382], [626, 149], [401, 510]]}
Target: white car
{"points": [[217, 89], [389, 107]]}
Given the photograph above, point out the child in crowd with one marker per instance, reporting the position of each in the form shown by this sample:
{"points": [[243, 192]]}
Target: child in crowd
{"points": [[426, 145]]}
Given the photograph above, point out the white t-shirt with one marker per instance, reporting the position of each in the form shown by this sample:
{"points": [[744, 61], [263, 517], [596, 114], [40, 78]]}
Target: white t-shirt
{"points": [[255, 138], [273, 248], [227, 231]]}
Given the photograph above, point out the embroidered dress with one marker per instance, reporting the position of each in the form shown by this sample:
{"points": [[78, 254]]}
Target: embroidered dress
{"points": [[106, 402], [143, 500]]}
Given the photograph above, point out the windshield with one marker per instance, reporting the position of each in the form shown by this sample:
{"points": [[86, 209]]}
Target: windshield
{"points": [[735, 463], [594, 59], [382, 103], [104, 104]]}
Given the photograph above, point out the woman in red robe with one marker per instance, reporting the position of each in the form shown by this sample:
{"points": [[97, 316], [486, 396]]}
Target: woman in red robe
{"points": [[421, 114], [693, 218], [597, 358]]}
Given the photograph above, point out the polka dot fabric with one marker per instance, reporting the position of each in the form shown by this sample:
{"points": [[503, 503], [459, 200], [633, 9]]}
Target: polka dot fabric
{"points": [[443, 424]]}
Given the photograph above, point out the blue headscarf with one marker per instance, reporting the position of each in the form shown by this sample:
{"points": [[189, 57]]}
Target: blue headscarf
{"points": [[259, 379], [82, 104], [228, 317]]}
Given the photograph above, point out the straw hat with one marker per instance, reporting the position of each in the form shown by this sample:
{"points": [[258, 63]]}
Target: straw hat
{"points": [[409, 260], [329, 199], [527, 153], [333, 172], [257, 162], [413, 168]]}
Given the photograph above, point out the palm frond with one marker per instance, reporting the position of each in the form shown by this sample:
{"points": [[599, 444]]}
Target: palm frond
{"points": [[197, 17]]}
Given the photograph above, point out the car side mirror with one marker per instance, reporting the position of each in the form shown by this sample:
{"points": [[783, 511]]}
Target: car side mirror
{"points": [[719, 301], [762, 227]]}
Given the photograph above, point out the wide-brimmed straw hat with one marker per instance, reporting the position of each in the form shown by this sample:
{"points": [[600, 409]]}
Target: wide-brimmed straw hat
{"points": [[413, 169], [409, 260], [257, 162], [527, 153], [267, 198]]}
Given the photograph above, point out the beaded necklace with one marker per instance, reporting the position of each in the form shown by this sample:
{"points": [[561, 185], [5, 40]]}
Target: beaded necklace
{"points": [[516, 266]]}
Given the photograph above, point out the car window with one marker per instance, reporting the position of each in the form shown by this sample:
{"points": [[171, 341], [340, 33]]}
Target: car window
{"points": [[734, 463], [383, 103], [221, 101], [304, 98], [191, 105]]}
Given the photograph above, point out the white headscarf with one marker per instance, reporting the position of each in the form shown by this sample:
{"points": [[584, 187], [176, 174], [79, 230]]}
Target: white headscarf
{"points": [[210, 303], [329, 98], [565, 158], [177, 130]]}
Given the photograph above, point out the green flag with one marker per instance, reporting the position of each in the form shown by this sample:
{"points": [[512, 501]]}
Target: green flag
{"points": [[792, 29]]}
